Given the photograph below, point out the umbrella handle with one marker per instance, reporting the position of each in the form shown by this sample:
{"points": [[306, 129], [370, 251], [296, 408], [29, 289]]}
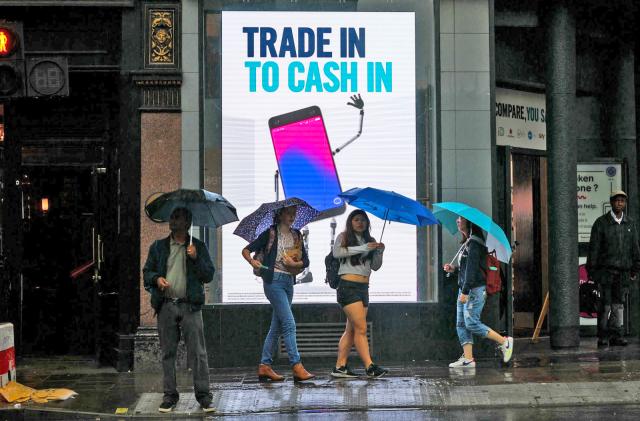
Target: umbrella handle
{"points": [[386, 214], [455, 257]]}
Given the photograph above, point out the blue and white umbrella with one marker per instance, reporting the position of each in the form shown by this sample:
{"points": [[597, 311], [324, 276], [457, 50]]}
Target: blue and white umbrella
{"points": [[259, 220]]}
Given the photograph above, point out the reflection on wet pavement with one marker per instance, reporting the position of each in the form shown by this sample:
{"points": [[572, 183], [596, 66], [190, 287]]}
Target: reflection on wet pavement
{"points": [[538, 376]]}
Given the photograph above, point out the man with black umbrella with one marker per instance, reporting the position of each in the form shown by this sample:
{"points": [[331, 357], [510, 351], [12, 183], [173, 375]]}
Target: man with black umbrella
{"points": [[174, 274], [613, 261]]}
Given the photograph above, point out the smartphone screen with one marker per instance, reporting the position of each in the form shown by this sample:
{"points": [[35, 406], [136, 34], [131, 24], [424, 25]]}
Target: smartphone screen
{"points": [[305, 161]]}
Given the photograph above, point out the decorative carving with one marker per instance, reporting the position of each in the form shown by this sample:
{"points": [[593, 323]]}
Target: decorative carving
{"points": [[162, 35], [159, 94]]}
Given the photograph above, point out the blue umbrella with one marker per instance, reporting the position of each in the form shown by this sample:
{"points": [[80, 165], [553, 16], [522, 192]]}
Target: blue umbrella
{"points": [[448, 212], [262, 218], [390, 206]]}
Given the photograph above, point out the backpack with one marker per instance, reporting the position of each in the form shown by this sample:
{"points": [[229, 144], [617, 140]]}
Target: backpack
{"points": [[493, 274], [589, 299], [332, 265]]}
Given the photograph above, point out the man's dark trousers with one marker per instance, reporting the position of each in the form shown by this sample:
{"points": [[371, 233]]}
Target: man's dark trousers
{"points": [[611, 307], [173, 318]]}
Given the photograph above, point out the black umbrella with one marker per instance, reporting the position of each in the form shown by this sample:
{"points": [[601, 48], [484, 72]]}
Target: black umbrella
{"points": [[262, 218], [208, 209]]}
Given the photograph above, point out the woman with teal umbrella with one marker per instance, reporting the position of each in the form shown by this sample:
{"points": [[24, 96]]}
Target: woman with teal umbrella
{"points": [[471, 266]]}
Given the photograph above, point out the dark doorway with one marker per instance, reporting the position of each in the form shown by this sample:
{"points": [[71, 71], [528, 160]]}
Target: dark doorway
{"points": [[64, 292], [529, 225], [58, 310], [59, 288]]}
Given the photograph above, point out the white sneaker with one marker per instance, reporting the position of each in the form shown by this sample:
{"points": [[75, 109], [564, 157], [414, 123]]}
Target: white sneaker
{"points": [[507, 349], [462, 362], [460, 359]]}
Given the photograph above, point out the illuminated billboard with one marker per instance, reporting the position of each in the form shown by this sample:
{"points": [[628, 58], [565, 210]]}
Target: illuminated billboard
{"points": [[314, 103]]}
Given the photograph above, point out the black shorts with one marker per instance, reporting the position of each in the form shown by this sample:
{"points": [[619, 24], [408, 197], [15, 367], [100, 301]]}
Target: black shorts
{"points": [[351, 292]]}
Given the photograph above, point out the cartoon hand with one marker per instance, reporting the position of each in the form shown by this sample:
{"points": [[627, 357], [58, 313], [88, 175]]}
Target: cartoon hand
{"points": [[356, 101]]}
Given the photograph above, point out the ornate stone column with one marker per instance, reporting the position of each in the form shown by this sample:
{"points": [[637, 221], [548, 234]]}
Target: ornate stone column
{"points": [[158, 83]]}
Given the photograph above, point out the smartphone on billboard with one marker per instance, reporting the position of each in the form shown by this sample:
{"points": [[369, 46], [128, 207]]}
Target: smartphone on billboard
{"points": [[305, 161]]}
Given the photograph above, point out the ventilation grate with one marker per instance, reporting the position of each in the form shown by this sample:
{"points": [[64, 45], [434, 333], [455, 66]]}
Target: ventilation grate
{"points": [[320, 339]]}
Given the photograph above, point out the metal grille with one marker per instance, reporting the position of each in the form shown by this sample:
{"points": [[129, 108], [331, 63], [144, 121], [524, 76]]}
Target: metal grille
{"points": [[161, 97], [320, 339]]}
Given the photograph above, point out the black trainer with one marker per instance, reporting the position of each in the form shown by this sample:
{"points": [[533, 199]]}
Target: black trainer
{"points": [[206, 405], [376, 371], [343, 372], [618, 341], [167, 406]]}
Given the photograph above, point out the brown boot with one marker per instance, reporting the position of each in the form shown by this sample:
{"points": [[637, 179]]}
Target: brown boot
{"points": [[300, 374], [265, 372]]}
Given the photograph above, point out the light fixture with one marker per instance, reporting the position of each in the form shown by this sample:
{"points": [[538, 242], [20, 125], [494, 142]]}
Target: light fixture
{"points": [[44, 204]]}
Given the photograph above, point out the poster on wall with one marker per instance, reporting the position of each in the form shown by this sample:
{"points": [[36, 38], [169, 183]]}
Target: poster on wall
{"points": [[520, 119], [313, 104], [596, 181]]}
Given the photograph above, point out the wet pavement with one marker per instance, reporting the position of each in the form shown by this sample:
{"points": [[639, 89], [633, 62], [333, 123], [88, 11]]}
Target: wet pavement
{"points": [[541, 380]]}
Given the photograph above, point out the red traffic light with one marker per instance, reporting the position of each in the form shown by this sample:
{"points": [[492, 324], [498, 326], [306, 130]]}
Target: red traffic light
{"points": [[7, 42]]}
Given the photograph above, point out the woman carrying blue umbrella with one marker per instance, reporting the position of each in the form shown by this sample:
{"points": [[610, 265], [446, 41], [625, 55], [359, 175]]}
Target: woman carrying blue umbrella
{"points": [[284, 256], [471, 266], [359, 254]]}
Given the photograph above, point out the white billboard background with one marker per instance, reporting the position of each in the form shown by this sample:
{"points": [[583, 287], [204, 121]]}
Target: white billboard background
{"points": [[383, 157]]}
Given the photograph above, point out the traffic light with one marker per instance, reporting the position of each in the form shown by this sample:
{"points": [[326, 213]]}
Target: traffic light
{"points": [[47, 76], [11, 60]]}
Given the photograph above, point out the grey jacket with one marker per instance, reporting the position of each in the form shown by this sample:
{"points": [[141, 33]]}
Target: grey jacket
{"points": [[343, 253]]}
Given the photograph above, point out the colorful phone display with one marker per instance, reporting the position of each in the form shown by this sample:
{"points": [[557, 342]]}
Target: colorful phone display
{"points": [[305, 161]]}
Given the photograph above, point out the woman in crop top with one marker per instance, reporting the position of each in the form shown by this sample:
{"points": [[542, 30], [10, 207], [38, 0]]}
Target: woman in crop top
{"points": [[359, 253]]}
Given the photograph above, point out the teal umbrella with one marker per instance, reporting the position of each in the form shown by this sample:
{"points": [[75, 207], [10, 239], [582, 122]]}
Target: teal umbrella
{"points": [[448, 212]]}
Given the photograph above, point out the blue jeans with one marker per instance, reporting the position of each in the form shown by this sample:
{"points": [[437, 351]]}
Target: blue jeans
{"points": [[280, 294], [468, 316]]}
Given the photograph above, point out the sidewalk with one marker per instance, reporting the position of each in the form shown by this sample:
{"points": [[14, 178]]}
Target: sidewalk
{"points": [[539, 377]]}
